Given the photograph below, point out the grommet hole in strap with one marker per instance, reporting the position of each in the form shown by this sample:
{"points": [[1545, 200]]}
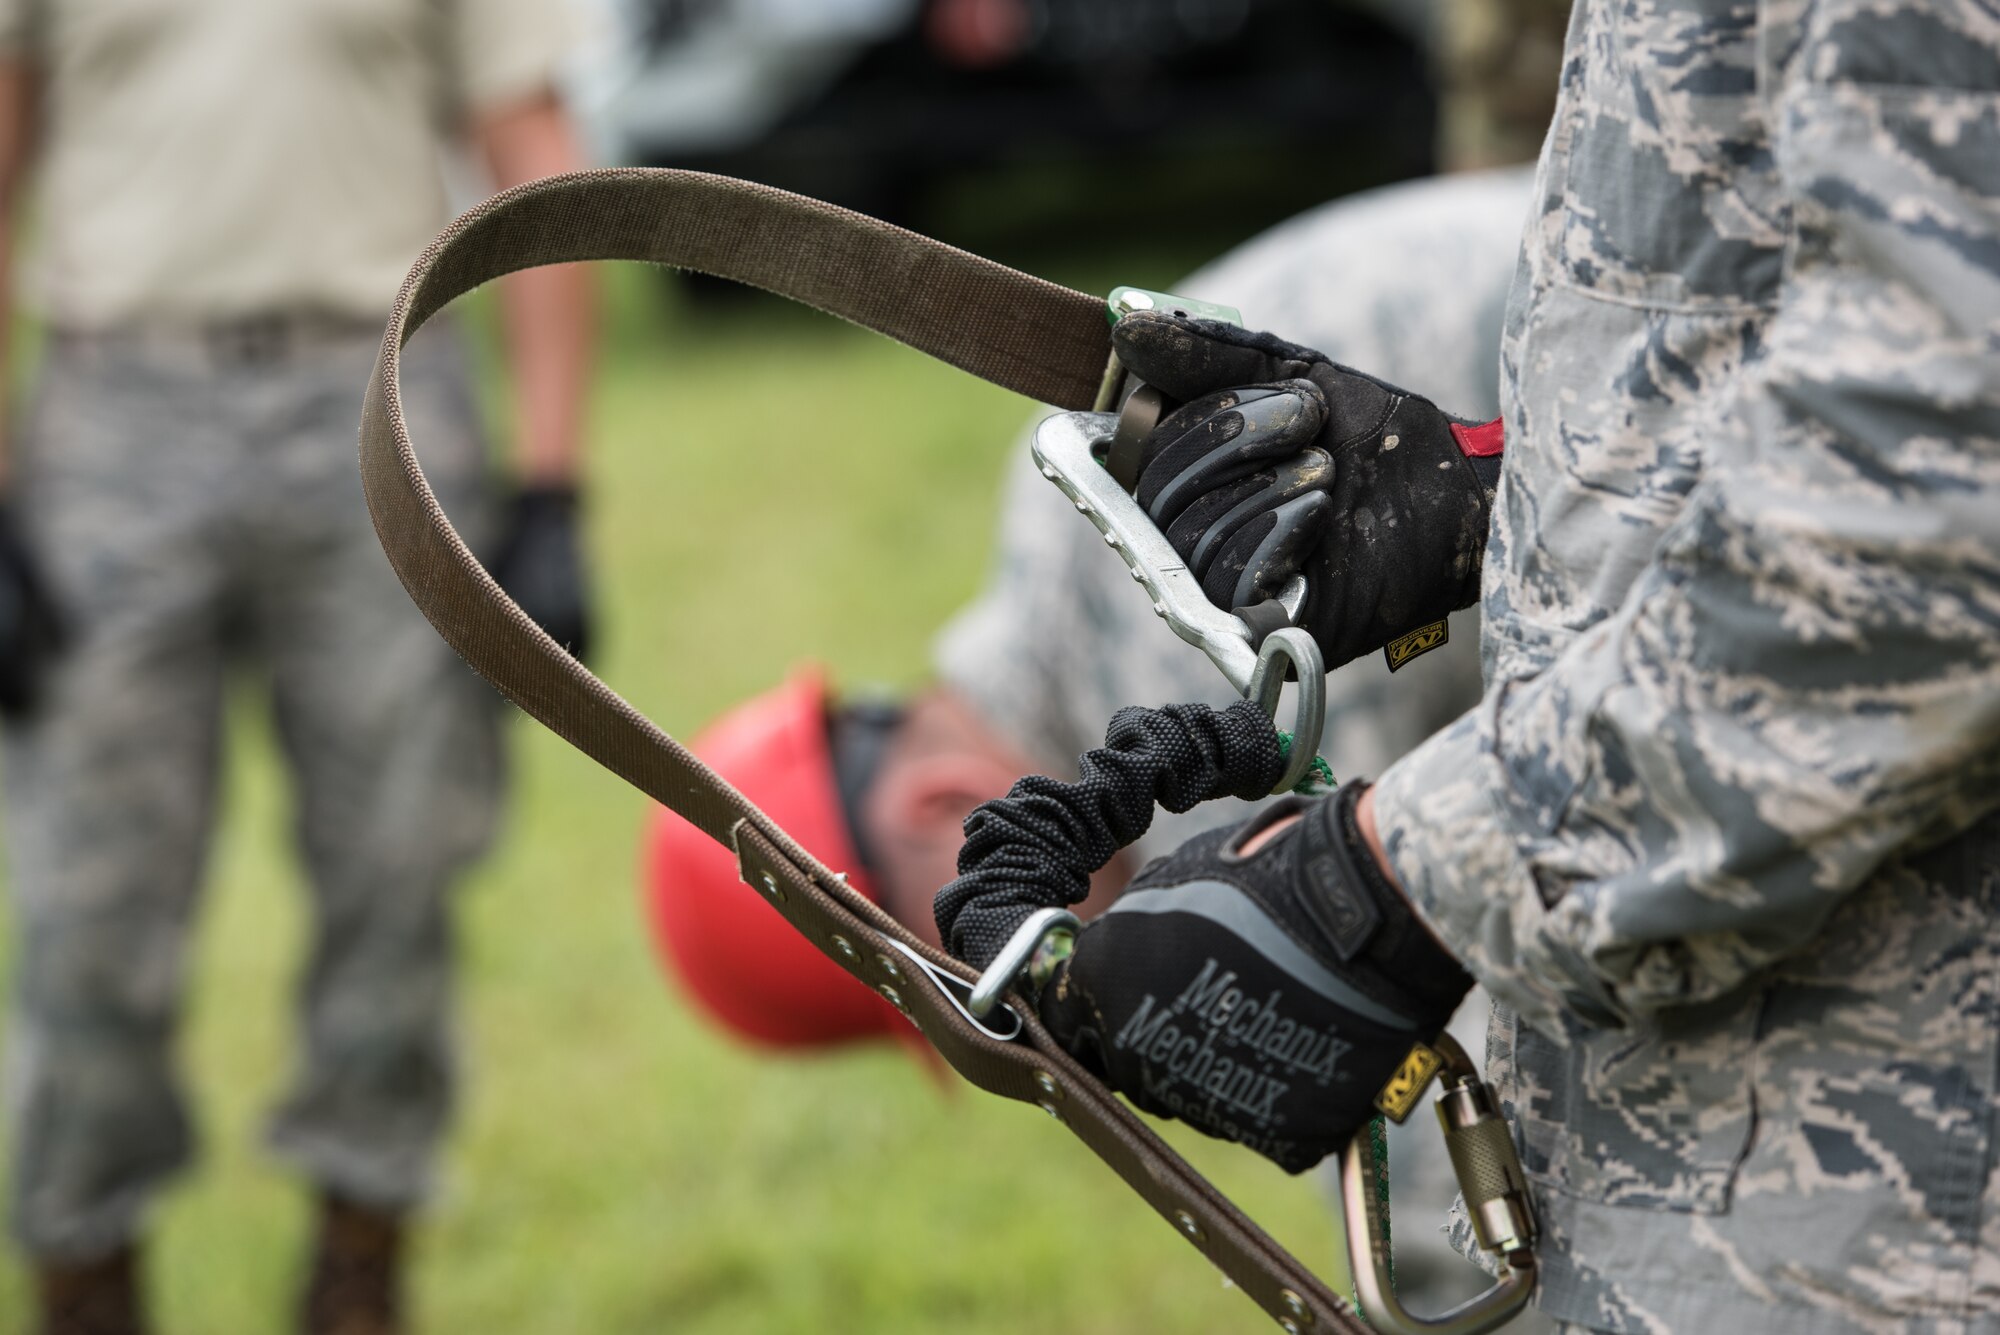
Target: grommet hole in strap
{"points": [[872, 953]]}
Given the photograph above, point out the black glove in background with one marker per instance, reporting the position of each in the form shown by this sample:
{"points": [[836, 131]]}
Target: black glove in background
{"points": [[31, 629], [539, 562], [1264, 999], [1282, 462]]}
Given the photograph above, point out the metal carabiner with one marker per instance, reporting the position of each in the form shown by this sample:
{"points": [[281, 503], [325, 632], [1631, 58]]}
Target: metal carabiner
{"points": [[1496, 1199], [1066, 448], [1291, 648], [1037, 930]]}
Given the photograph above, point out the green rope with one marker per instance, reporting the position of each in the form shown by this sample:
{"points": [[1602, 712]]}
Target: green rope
{"points": [[1318, 780], [1378, 1143], [1378, 1140]]}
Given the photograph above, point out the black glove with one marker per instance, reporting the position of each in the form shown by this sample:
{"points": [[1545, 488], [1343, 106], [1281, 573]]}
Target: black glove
{"points": [[540, 564], [1265, 998], [31, 631], [1282, 462]]}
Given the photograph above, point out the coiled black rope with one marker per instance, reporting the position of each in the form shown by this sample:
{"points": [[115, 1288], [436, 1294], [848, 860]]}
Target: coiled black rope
{"points": [[1036, 847]]}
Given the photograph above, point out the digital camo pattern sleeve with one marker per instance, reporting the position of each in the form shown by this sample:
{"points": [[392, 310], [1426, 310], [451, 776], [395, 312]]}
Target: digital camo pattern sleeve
{"points": [[1662, 795]]}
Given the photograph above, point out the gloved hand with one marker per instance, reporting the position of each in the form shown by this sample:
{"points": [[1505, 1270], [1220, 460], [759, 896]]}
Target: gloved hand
{"points": [[1282, 462], [539, 563], [31, 630], [1262, 997]]}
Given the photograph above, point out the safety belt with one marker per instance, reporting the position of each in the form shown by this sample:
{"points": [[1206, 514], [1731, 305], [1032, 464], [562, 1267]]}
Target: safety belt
{"points": [[1037, 338]]}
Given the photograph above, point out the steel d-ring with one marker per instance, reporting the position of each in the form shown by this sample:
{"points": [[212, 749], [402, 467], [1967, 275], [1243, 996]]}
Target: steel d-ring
{"points": [[1290, 648], [1015, 955]]}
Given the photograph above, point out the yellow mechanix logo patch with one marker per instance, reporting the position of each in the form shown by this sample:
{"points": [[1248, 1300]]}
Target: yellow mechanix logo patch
{"points": [[1419, 641], [1405, 1087]]}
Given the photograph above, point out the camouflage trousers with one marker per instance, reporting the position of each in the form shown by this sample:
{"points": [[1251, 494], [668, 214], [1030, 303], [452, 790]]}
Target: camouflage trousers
{"points": [[195, 500]]}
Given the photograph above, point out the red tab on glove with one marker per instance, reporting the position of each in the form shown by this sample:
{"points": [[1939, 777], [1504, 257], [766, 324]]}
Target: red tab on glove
{"points": [[1485, 441]]}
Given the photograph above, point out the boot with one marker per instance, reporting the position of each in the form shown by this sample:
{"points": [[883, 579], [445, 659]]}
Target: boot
{"points": [[356, 1283], [99, 1297]]}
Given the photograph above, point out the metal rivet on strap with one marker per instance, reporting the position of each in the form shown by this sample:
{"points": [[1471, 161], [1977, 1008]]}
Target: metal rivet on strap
{"points": [[1050, 1109], [1289, 1326], [895, 998], [772, 888], [1191, 1226], [845, 947], [1047, 1084], [1295, 1306], [890, 967]]}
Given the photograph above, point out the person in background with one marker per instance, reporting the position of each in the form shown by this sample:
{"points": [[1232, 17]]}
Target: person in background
{"points": [[229, 193]]}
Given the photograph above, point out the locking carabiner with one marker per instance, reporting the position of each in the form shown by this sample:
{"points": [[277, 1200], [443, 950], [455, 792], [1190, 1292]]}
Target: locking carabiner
{"points": [[1496, 1199]]}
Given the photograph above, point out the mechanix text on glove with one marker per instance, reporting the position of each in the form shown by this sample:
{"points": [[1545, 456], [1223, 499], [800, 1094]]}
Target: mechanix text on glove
{"points": [[1262, 996]]}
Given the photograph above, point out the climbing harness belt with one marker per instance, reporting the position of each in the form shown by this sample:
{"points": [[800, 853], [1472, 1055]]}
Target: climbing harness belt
{"points": [[1039, 339]]}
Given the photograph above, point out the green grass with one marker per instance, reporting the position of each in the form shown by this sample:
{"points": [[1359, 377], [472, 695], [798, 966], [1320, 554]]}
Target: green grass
{"points": [[768, 485]]}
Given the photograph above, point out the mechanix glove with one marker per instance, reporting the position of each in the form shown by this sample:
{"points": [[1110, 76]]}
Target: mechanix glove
{"points": [[1282, 462], [1262, 996], [31, 631], [539, 562]]}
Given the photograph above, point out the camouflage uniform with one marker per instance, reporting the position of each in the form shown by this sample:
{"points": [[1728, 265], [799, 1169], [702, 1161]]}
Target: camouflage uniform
{"points": [[189, 498], [1720, 833], [1409, 282]]}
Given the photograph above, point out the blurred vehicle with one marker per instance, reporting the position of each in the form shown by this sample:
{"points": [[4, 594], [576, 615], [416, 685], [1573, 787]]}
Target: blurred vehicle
{"points": [[884, 104]]}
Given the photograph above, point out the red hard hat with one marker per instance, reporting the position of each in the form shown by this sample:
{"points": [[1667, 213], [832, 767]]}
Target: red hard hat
{"points": [[733, 953]]}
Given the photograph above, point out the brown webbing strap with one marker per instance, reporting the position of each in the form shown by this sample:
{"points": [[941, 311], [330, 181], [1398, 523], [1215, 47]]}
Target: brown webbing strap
{"points": [[1045, 341]]}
